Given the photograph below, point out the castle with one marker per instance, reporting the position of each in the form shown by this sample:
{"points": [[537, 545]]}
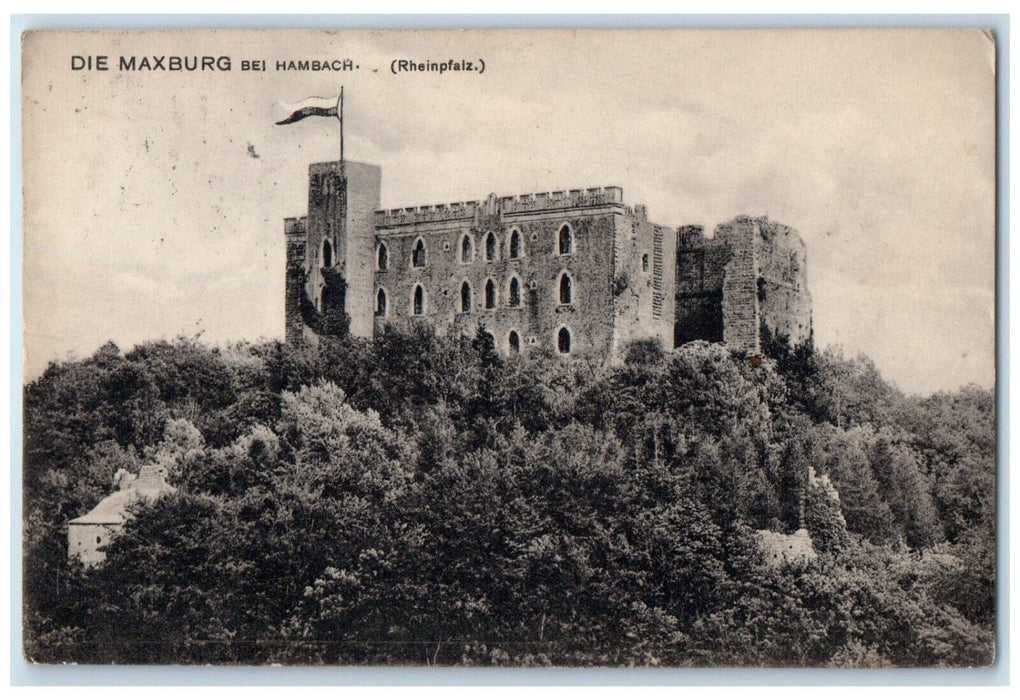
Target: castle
{"points": [[576, 273]]}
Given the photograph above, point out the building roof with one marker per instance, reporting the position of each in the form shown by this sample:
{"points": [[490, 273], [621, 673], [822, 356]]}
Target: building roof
{"points": [[112, 510]]}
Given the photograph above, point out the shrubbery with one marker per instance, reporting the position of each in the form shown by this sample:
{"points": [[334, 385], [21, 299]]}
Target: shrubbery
{"points": [[423, 500]]}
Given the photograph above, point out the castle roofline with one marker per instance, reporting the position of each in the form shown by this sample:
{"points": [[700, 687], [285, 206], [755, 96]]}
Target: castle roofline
{"points": [[333, 166], [514, 204]]}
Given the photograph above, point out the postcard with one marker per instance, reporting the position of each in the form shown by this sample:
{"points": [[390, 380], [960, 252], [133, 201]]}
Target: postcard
{"points": [[507, 347]]}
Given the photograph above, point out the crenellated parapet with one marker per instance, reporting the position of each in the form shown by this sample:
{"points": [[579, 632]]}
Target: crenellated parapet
{"points": [[295, 225], [564, 199], [426, 214], [514, 204]]}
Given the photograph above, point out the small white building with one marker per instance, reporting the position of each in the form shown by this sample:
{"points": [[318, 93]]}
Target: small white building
{"points": [[95, 529]]}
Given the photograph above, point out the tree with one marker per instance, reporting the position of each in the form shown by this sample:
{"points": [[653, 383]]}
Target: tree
{"points": [[843, 456], [418, 499], [823, 517], [907, 490]]}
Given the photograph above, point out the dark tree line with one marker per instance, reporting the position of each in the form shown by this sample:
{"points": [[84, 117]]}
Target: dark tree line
{"points": [[424, 500]]}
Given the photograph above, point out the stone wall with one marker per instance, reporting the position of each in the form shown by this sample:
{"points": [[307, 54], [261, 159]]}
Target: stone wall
{"points": [[699, 273], [363, 184], [84, 540], [539, 315], [644, 283], [783, 297], [294, 229], [778, 551], [327, 200], [741, 320], [751, 274]]}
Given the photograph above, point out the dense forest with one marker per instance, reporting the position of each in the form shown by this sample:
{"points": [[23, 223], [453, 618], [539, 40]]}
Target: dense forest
{"points": [[425, 500]]}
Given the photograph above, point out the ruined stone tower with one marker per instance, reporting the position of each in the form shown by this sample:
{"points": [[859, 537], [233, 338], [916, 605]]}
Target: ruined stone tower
{"points": [[751, 275]]}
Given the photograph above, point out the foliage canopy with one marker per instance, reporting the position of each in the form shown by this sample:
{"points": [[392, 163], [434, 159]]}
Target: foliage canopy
{"points": [[423, 500]]}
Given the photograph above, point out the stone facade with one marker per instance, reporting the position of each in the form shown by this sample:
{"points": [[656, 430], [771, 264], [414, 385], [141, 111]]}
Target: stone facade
{"points": [[576, 273], [750, 275], [778, 551], [94, 530]]}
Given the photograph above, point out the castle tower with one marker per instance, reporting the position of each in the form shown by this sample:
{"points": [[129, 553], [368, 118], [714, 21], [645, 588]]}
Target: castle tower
{"points": [[330, 252], [751, 275]]}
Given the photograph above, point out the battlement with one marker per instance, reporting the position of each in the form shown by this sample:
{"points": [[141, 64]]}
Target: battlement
{"points": [[426, 214], [515, 204], [295, 224], [563, 199]]}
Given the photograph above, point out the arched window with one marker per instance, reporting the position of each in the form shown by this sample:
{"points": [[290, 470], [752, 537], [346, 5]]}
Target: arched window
{"points": [[490, 247], [382, 258], [566, 240], [563, 341], [380, 303], [566, 289], [514, 295], [515, 244], [490, 294], [327, 253], [465, 297], [418, 304], [465, 249], [418, 255], [513, 341]]}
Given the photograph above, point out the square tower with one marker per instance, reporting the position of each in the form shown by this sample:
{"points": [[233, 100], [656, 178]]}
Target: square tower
{"points": [[330, 251]]}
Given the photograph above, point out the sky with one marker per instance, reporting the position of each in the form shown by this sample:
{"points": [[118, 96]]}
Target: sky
{"points": [[154, 200]]}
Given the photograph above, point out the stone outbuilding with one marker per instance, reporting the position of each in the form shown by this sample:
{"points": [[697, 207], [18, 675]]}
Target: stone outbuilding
{"points": [[87, 534]]}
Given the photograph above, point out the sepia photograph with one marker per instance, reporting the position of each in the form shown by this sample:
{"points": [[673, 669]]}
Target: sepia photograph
{"points": [[509, 348]]}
